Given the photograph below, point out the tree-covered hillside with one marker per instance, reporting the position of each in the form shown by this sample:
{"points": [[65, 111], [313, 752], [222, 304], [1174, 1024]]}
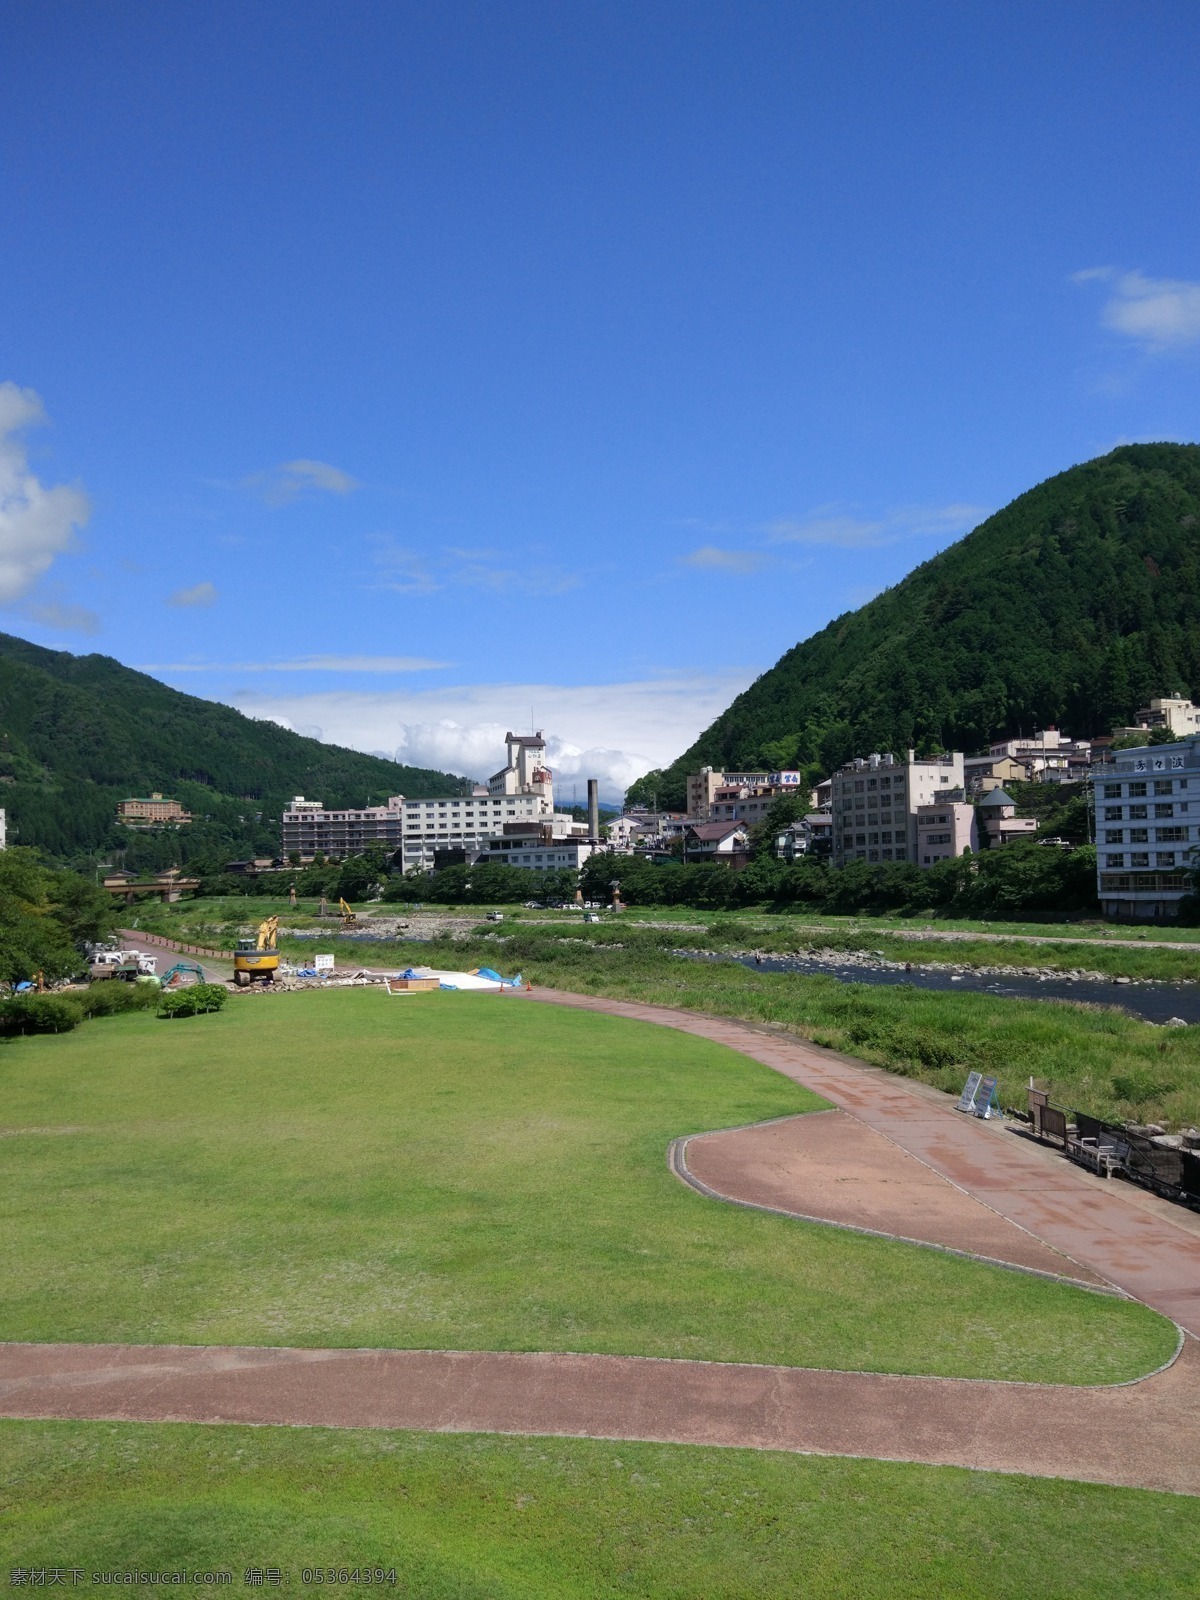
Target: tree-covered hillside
{"points": [[1072, 606], [79, 733]]}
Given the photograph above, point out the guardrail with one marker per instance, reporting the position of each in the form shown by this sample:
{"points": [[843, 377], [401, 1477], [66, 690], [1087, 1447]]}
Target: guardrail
{"points": [[175, 944]]}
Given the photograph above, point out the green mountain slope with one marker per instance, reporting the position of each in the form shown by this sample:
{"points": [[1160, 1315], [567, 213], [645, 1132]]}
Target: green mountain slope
{"points": [[79, 733], [1072, 606]]}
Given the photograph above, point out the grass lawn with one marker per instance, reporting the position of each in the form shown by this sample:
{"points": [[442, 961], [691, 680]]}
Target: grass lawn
{"points": [[468, 1172], [482, 1517]]}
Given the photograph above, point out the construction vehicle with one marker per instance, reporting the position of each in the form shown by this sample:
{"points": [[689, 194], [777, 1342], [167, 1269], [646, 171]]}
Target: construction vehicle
{"points": [[182, 974], [349, 917], [257, 960]]}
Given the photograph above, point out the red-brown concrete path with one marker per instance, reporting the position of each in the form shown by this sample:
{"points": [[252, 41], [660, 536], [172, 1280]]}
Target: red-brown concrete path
{"points": [[1101, 1225], [1141, 1434]]}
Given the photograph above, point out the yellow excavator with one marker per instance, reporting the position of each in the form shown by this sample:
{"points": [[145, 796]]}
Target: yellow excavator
{"points": [[257, 959], [349, 917]]}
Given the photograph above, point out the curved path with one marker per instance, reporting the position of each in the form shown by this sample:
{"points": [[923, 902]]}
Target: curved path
{"points": [[1141, 1434], [1151, 1254]]}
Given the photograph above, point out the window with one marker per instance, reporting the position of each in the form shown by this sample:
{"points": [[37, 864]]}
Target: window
{"points": [[1167, 810], [1137, 811], [1115, 861], [1112, 791], [1115, 836], [1165, 858], [1136, 788], [1139, 859], [873, 838], [1163, 786], [901, 854], [860, 838], [1138, 835], [859, 786], [860, 804], [872, 783], [885, 838], [885, 783], [1114, 813], [1170, 835]]}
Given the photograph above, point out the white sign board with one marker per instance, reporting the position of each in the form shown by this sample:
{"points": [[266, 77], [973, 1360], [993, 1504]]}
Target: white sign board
{"points": [[323, 963]]}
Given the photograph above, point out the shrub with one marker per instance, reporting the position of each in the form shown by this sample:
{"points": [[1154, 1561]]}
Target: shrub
{"points": [[189, 1002], [40, 1013], [109, 997]]}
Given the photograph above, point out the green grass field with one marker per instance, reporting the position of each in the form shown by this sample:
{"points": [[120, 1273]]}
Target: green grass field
{"points": [[480, 1517], [468, 1172]]}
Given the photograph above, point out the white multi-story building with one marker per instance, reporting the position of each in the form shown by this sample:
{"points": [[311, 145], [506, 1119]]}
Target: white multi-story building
{"points": [[460, 827], [876, 801], [1146, 829]]}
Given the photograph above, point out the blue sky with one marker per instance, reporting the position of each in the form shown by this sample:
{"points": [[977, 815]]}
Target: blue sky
{"points": [[406, 372]]}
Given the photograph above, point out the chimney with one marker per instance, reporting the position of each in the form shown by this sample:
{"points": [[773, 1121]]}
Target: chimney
{"points": [[593, 810]]}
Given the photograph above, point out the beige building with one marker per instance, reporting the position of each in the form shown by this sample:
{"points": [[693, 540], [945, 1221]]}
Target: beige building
{"points": [[876, 800], [1171, 712], [945, 829], [713, 796], [151, 810]]}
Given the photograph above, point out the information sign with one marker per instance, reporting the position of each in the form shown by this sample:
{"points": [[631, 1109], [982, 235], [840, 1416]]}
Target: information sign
{"points": [[323, 963], [984, 1095], [967, 1099]]}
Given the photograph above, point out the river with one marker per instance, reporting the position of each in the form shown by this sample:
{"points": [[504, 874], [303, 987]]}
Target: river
{"points": [[1154, 1002]]}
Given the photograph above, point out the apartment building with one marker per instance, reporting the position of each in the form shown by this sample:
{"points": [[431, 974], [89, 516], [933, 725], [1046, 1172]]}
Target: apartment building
{"points": [[1146, 829], [150, 811], [876, 800]]}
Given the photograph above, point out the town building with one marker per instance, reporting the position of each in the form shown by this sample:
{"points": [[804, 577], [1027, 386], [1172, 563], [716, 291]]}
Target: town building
{"points": [[1001, 824], [811, 836], [1146, 830], [1170, 713], [151, 811], [876, 800], [3, 829], [946, 828], [710, 788], [1047, 757], [460, 828], [723, 842], [982, 774], [538, 847]]}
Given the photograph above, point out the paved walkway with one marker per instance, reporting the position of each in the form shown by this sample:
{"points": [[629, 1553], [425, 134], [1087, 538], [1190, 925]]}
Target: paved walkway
{"points": [[827, 1166], [1146, 1254], [1142, 1434]]}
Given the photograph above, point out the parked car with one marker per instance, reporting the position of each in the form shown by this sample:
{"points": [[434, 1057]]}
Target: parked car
{"points": [[495, 916]]}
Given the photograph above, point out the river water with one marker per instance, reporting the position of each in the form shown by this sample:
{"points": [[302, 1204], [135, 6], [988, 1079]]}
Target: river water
{"points": [[1154, 1002]]}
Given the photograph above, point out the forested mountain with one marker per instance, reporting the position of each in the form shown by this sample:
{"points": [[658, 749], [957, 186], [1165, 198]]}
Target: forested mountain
{"points": [[1072, 606], [79, 733]]}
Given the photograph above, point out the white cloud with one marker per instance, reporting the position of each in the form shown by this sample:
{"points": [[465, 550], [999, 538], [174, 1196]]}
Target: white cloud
{"points": [[307, 664], [614, 732], [408, 572], [200, 594], [291, 479], [36, 523], [828, 526], [1160, 313], [64, 618], [710, 558]]}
